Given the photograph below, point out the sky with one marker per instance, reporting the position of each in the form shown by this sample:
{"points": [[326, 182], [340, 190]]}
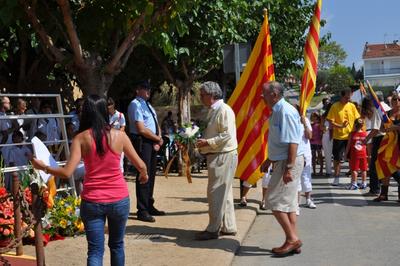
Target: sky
{"points": [[354, 22]]}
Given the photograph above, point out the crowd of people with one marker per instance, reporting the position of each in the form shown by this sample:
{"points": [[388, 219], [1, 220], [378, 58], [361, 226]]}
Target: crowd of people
{"points": [[299, 148]]}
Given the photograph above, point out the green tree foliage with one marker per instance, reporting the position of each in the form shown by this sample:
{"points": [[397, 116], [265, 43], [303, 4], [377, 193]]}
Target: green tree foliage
{"points": [[357, 75], [339, 77], [193, 49], [91, 40], [330, 54]]}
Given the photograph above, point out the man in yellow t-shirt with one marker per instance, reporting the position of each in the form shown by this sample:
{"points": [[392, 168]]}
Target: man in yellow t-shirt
{"points": [[341, 116]]}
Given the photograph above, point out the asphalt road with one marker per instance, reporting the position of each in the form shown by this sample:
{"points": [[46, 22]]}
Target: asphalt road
{"points": [[345, 229]]}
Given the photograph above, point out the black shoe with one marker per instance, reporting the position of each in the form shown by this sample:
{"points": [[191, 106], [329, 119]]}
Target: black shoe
{"points": [[262, 206], [146, 218], [221, 233], [205, 235], [243, 202], [156, 212]]}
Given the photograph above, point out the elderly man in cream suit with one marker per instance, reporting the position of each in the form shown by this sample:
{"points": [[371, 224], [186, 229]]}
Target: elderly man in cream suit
{"points": [[219, 145]]}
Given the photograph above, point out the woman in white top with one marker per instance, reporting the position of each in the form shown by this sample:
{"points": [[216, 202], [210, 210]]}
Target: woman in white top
{"points": [[117, 121]]}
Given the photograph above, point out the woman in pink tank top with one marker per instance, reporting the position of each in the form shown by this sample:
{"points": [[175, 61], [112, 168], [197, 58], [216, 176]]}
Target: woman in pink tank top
{"points": [[105, 193]]}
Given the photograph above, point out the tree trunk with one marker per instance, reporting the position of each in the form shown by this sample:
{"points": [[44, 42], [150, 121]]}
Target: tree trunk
{"points": [[94, 81], [183, 116], [184, 104]]}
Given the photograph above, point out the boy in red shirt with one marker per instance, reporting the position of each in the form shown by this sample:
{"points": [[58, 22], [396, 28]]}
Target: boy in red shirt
{"points": [[358, 155]]}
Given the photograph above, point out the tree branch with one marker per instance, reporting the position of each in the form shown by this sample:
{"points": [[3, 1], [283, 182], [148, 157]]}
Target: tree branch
{"points": [[56, 21], [185, 70], [132, 38], [49, 49], [114, 42], [128, 53], [164, 66], [72, 34]]}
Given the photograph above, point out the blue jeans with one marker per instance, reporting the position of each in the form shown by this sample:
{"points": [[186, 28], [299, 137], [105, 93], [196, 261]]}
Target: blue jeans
{"points": [[94, 216]]}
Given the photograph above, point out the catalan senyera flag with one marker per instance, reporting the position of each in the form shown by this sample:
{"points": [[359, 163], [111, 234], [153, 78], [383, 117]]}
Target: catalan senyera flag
{"points": [[251, 112], [362, 89], [309, 79], [388, 159]]}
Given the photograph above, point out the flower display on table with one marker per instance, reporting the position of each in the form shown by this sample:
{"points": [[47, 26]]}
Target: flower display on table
{"points": [[64, 218], [46, 190], [6, 217], [61, 214], [186, 139], [6, 213]]}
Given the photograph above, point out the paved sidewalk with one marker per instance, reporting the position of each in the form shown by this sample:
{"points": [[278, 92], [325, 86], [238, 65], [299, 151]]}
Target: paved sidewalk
{"points": [[170, 240]]}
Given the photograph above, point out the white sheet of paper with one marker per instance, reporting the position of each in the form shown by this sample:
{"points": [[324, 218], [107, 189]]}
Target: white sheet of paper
{"points": [[42, 153]]}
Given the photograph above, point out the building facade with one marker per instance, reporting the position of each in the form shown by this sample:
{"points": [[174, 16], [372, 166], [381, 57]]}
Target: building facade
{"points": [[382, 64]]}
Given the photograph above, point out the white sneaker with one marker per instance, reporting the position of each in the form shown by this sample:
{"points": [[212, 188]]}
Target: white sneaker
{"points": [[310, 204], [336, 181]]}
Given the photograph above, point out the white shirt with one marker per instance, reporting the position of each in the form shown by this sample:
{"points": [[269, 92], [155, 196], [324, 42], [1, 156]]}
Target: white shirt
{"points": [[376, 122], [305, 142], [117, 120]]}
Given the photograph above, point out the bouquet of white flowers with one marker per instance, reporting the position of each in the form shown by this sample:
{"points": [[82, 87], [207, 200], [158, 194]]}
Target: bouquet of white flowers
{"points": [[186, 139], [188, 134]]}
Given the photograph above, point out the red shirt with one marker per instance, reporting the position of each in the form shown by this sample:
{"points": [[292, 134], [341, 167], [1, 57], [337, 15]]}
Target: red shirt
{"points": [[103, 181], [357, 147]]}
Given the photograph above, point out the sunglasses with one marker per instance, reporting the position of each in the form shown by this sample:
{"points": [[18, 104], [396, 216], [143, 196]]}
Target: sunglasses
{"points": [[395, 99]]}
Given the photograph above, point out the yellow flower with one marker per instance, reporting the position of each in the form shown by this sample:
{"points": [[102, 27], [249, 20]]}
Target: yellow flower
{"points": [[69, 210], [63, 223], [80, 226], [77, 201]]}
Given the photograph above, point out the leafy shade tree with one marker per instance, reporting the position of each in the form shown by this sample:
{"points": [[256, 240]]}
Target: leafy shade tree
{"points": [[358, 75], [330, 54], [24, 66], [322, 80], [91, 40], [194, 49], [339, 77]]}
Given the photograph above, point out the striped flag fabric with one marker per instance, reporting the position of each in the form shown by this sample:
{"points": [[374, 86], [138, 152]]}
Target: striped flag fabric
{"points": [[362, 89], [251, 112], [309, 78], [378, 105], [388, 159]]}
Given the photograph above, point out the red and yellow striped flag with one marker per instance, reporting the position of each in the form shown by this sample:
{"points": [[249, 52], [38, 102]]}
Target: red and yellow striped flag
{"points": [[251, 112], [362, 89], [388, 159], [309, 79]]}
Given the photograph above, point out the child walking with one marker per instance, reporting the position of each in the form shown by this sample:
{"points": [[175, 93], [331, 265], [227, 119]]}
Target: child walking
{"points": [[316, 143], [358, 155]]}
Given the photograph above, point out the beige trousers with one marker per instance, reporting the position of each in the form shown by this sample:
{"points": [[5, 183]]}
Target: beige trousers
{"points": [[221, 171], [284, 197]]}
